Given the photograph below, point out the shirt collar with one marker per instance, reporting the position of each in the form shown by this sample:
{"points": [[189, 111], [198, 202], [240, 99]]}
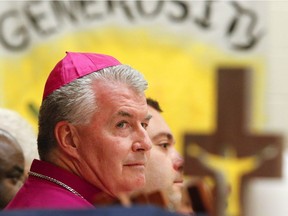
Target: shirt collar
{"points": [[84, 188]]}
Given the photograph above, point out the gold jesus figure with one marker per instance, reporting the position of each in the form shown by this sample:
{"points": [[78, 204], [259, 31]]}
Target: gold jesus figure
{"points": [[232, 168]]}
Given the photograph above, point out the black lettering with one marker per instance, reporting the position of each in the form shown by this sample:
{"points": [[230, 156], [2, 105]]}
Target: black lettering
{"points": [[63, 9], [205, 21], [112, 5], [18, 39], [154, 12], [86, 5], [183, 11], [251, 38], [37, 18]]}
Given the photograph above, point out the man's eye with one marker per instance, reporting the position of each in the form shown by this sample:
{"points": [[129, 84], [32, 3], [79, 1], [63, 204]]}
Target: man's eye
{"points": [[164, 145], [144, 125], [121, 125], [15, 179]]}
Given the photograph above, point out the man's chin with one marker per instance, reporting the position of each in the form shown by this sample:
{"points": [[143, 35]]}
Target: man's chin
{"points": [[175, 193]]}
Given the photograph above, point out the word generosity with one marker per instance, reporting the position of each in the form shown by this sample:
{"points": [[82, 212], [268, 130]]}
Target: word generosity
{"points": [[33, 20]]}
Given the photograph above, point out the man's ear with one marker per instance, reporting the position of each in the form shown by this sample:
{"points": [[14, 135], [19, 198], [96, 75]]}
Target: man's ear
{"points": [[67, 138]]}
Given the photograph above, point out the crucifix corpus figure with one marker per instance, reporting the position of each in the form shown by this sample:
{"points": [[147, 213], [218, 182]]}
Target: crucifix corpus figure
{"points": [[232, 152]]}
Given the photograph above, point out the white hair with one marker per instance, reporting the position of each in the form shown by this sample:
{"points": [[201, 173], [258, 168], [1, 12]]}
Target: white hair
{"points": [[76, 102], [22, 131]]}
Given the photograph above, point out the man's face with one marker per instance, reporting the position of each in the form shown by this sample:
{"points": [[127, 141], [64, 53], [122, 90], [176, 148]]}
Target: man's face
{"points": [[114, 146], [11, 171], [164, 168]]}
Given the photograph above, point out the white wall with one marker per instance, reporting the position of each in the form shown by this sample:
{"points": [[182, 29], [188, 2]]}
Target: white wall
{"points": [[266, 197], [277, 77]]}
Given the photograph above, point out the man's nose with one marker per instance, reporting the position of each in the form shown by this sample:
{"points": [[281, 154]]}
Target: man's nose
{"points": [[178, 163], [143, 142]]}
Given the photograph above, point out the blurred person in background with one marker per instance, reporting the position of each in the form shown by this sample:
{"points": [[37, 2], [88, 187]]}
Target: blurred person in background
{"points": [[164, 171], [11, 167], [22, 131]]}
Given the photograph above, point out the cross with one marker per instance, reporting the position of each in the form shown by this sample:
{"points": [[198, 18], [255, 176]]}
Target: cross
{"points": [[232, 143]]}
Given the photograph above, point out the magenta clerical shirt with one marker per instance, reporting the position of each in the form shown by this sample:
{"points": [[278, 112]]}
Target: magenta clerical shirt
{"points": [[39, 193]]}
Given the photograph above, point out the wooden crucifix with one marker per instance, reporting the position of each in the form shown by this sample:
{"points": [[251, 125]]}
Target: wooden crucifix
{"points": [[232, 154]]}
